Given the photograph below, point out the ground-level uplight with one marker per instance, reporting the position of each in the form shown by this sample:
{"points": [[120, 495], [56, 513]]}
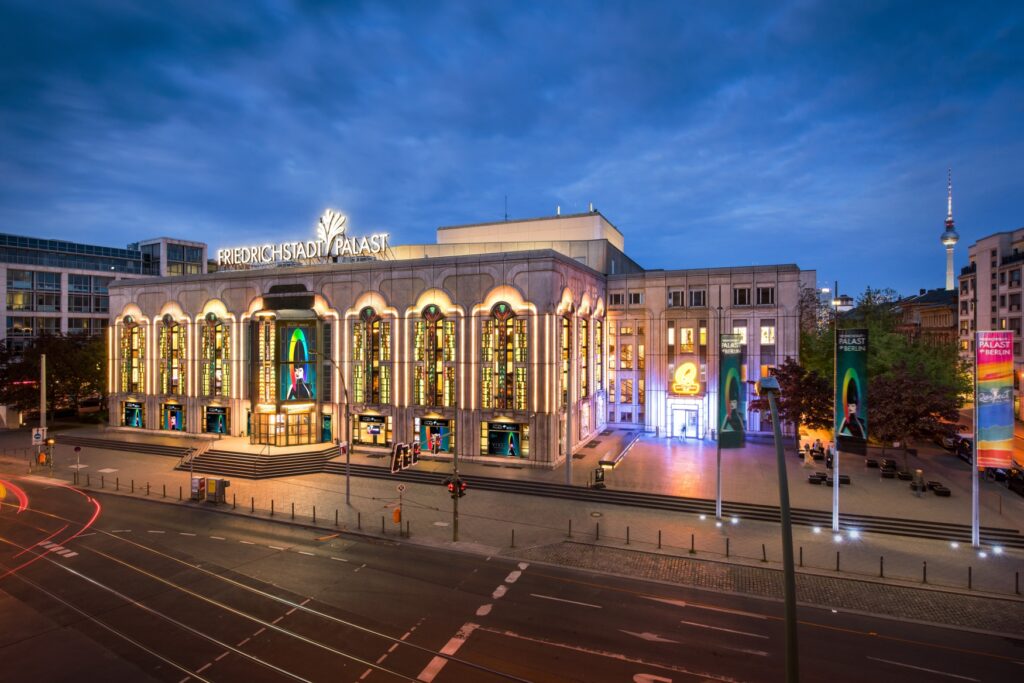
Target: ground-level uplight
{"points": [[998, 550], [718, 524], [954, 545], [735, 520], [854, 533], [817, 530], [837, 538], [703, 517], [982, 554]]}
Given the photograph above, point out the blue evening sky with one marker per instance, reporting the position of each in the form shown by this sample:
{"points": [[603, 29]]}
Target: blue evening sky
{"points": [[711, 134]]}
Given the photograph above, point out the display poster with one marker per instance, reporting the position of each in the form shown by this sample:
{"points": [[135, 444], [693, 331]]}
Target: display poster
{"points": [[504, 438], [994, 404], [851, 400], [731, 393], [174, 417], [298, 366], [435, 435], [216, 420], [132, 414]]}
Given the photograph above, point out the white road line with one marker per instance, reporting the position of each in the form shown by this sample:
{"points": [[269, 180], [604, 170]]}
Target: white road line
{"points": [[278, 619], [450, 648], [247, 542], [381, 658], [365, 674], [289, 612], [185, 679], [204, 667], [406, 634], [217, 538], [275, 547], [185, 533], [221, 656], [571, 602], [151, 531], [523, 566], [499, 591], [262, 629], [121, 531], [339, 559], [242, 642], [303, 552], [921, 668], [683, 603], [392, 648], [483, 610], [358, 568], [303, 603], [724, 630], [513, 577], [70, 555]]}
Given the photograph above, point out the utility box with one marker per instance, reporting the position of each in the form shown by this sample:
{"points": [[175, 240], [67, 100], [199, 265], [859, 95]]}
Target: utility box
{"points": [[198, 488], [216, 490]]}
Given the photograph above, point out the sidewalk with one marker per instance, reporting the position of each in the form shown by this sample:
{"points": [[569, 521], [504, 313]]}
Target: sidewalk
{"points": [[540, 526]]}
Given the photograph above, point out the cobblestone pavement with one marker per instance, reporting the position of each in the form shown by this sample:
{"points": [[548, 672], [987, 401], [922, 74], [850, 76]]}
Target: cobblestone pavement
{"points": [[954, 609]]}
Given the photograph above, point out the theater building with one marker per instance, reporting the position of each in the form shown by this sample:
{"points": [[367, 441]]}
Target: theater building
{"points": [[516, 339]]}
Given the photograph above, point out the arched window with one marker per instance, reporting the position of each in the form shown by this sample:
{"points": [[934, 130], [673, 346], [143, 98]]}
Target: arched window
{"points": [[133, 356], [598, 355], [172, 356], [434, 359], [504, 354], [371, 358], [564, 347], [584, 353], [215, 355]]}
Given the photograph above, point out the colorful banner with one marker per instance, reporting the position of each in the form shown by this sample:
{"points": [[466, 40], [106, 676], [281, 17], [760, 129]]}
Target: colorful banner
{"points": [[851, 401], [731, 393], [994, 398]]}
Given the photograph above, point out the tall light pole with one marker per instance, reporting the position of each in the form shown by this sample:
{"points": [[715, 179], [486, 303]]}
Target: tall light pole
{"points": [[347, 426], [835, 411], [718, 418], [769, 386]]}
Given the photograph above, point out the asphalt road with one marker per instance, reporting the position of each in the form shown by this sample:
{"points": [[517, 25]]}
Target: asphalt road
{"points": [[133, 590]]}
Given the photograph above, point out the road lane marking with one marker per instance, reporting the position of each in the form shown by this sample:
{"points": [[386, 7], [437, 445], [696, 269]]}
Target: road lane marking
{"points": [[242, 642], [204, 667], [221, 656], [571, 602], [483, 610], [303, 552], [610, 655], [358, 568], [185, 533], [451, 647], [683, 603], [247, 542], [499, 591], [523, 566], [151, 531], [724, 630], [392, 648], [339, 559], [121, 531], [275, 547], [649, 637], [514, 576], [278, 619], [262, 629], [921, 668], [381, 658], [217, 538], [365, 674]]}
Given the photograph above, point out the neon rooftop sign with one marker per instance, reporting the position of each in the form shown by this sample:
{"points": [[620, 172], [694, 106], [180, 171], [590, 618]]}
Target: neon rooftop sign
{"points": [[331, 242]]}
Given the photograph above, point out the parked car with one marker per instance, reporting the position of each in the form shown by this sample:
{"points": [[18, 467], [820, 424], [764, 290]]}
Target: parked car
{"points": [[965, 447], [1015, 481], [945, 438]]}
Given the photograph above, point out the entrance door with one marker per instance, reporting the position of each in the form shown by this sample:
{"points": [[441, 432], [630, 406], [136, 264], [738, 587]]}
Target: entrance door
{"points": [[686, 423]]}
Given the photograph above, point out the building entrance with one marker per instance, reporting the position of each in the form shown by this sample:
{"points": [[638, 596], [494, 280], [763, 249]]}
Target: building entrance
{"points": [[686, 423], [284, 429]]}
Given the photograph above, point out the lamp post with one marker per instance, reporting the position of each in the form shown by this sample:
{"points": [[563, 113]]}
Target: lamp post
{"points": [[347, 421], [769, 387], [835, 411], [718, 433]]}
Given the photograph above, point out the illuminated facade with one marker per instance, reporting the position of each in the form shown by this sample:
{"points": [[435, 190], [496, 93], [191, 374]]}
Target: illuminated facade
{"points": [[472, 345]]}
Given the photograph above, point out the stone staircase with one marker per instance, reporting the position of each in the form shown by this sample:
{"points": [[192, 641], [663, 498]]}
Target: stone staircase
{"points": [[128, 446], [258, 466]]}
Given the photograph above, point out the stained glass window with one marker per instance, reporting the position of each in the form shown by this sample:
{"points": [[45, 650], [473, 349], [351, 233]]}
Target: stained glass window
{"points": [[371, 356], [215, 370], [172, 357], [133, 357], [504, 354]]}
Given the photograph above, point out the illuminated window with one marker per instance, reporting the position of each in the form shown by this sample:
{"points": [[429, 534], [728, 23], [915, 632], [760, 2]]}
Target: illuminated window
{"points": [[767, 335], [598, 357], [215, 368], [133, 357], [564, 370], [626, 395], [640, 357], [434, 359], [266, 361], [671, 334], [686, 340], [742, 332], [172, 356], [503, 354], [371, 358], [626, 359], [703, 333], [584, 354], [640, 393]]}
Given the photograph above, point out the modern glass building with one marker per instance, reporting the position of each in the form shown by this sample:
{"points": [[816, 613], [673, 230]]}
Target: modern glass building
{"points": [[519, 339]]}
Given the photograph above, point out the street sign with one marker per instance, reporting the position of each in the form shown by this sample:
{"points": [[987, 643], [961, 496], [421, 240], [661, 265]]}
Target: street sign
{"points": [[401, 488], [38, 435]]}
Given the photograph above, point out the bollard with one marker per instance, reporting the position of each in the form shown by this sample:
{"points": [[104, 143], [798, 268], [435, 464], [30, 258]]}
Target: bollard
{"points": [[314, 514], [293, 510], [102, 481], [837, 560], [335, 516], [693, 547], [271, 507], [764, 553], [147, 488], [924, 572], [597, 531], [164, 494], [1016, 582], [881, 566], [117, 483], [801, 556], [88, 480], [513, 538], [408, 524], [570, 527], [234, 501], [627, 535], [133, 486], [252, 504], [179, 492], [382, 525], [359, 520], [727, 546], [970, 578]]}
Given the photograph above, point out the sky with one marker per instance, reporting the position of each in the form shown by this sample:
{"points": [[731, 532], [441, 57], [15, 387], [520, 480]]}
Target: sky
{"points": [[710, 134]]}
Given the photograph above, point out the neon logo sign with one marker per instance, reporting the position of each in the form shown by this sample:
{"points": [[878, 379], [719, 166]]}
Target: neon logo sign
{"points": [[685, 382], [331, 242]]}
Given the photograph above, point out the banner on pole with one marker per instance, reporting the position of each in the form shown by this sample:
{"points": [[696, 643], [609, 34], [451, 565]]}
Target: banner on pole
{"points": [[851, 405], [994, 398], [731, 393]]}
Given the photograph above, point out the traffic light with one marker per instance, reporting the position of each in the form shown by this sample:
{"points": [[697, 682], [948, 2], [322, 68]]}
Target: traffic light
{"points": [[462, 487]]}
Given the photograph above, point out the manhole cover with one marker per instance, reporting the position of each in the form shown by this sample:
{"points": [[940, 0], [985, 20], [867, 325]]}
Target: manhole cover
{"points": [[596, 514]]}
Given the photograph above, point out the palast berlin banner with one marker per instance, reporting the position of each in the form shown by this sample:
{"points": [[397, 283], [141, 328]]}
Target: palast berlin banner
{"points": [[731, 394], [851, 417], [994, 398]]}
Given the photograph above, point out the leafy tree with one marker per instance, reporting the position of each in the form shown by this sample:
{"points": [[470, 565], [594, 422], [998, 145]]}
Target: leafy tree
{"points": [[75, 369], [906, 403], [805, 398]]}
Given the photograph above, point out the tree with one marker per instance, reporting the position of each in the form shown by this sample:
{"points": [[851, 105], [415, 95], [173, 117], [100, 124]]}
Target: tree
{"points": [[805, 398], [907, 403], [75, 369]]}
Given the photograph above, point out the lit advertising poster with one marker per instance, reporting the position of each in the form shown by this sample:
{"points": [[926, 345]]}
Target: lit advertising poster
{"points": [[731, 394], [503, 439], [298, 366], [435, 435], [994, 406], [851, 416]]}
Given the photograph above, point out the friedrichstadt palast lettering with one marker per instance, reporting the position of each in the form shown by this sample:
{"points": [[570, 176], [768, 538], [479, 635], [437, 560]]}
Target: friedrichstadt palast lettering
{"points": [[331, 242], [510, 340]]}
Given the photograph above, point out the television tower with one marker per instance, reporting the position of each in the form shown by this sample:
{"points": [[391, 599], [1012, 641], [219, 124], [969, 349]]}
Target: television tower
{"points": [[949, 237]]}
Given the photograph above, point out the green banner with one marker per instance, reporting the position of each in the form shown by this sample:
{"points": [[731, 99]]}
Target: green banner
{"points": [[731, 393], [851, 406]]}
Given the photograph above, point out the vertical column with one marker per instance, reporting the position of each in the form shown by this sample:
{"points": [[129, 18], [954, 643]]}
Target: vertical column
{"points": [[64, 302]]}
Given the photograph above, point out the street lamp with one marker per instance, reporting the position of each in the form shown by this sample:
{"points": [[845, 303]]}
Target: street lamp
{"points": [[347, 422], [769, 387]]}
